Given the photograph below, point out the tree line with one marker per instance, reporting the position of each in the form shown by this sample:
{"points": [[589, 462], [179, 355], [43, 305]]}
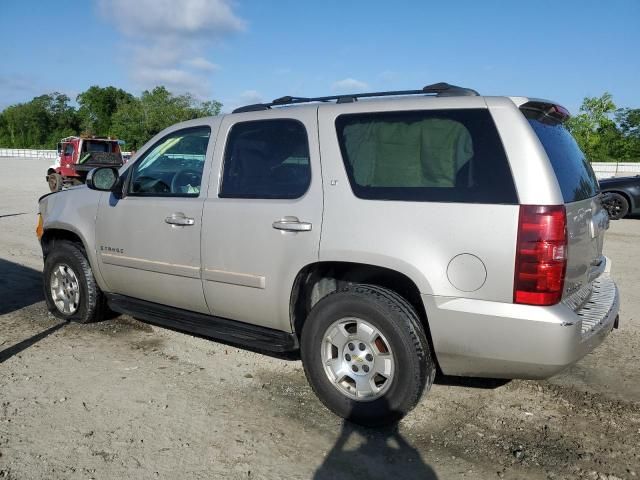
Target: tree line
{"points": [[100, 111], [604, 132]]}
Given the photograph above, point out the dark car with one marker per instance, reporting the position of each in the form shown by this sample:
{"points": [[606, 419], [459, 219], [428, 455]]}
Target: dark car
{"points": [[622, 196]]}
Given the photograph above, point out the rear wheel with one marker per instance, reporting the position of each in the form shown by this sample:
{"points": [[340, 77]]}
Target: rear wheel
{"points": [[366, 355], [70, 289], [55, 182], [616, 205]]}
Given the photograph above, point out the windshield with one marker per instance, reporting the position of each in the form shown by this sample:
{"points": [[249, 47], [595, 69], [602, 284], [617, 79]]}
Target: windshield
{"points": [[94, 146], [573, 170]]}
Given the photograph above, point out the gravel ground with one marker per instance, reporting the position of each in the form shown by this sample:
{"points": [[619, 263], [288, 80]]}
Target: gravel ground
{"points": [[122, 399]]}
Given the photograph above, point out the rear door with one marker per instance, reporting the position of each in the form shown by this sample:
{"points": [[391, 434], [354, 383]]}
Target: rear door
{"points": [[587, 220], [263, 216]]}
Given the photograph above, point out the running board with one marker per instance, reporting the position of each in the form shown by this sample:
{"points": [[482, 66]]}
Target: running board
{"points": [[232, 331]]}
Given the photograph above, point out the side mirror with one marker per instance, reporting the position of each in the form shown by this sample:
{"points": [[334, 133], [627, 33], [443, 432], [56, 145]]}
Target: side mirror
{"points": [[103, 179]]}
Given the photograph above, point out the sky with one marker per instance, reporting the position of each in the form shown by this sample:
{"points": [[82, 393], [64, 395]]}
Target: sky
{"points": [[245, 51]]}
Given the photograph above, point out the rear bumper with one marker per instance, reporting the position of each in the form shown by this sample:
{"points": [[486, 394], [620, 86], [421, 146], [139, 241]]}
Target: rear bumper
{"points": [[505, 340]]}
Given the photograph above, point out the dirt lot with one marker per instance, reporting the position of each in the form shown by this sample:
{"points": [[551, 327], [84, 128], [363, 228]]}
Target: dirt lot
{"points": [[121, 399]]}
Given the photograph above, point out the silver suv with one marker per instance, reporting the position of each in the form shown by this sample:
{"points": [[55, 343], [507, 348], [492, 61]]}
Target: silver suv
{"points": [[388, 239]]}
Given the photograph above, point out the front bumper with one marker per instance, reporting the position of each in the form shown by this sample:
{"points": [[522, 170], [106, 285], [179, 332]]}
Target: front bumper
{"points": [[505, 340]]}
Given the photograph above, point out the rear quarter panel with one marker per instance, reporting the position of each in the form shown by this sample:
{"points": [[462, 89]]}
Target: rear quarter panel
{"points": [[533, 174], [418, 239]]}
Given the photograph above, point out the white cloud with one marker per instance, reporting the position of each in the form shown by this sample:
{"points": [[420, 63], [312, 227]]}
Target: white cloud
{"points": [[159, 53], [174, 79], [172, 17], [247, 97], [251, 96], [349, 85], [167, 39], [203, 64]]}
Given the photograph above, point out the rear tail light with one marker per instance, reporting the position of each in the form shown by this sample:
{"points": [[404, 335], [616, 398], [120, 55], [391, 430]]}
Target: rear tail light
{"points": [[541, 255]]}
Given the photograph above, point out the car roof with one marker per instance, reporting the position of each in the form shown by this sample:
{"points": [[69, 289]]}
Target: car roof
{"points": [[383, 98], [440, 89]]}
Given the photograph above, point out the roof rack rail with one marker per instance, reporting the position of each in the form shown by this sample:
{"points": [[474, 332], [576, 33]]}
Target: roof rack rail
{"points": [[441, 89]]}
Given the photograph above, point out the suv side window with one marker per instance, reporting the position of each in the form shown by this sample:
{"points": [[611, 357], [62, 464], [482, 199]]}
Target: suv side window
{"points": [[266, 159], [430, 155], [173, 166]]}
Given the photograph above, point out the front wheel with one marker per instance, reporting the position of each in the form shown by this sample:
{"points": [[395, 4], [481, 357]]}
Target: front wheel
{"points": [[366, 355], [55, 182], [70, 289]]}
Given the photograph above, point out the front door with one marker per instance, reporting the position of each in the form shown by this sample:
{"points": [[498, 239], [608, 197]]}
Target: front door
{"points": [[67, 159], [263, 215], [148, 242]]}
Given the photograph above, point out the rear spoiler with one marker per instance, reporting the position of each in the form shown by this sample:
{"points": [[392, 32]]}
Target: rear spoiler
{"points": [[545, 112]]}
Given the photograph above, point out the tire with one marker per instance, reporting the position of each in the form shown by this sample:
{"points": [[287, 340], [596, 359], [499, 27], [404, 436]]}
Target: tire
{"points": [[55, 182], [67, 262], [375, 311], [616, 205]]}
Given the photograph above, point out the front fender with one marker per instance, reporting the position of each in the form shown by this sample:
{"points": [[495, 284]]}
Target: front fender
{"points": [[74, 211]]}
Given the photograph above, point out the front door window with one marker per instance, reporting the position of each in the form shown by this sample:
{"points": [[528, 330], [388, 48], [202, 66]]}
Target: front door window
{"points": [[173, 166]]}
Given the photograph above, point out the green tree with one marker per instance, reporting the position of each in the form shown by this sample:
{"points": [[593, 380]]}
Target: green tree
{"points": [[210, 108], [39, 123], [43, 121], [594, 128], [629, 122], [137, 121], [96, 107]]}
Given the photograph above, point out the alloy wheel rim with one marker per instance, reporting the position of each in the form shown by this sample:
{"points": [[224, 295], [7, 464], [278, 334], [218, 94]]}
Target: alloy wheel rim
{"points": [[65, 289], [357, 359], [617, 206]]}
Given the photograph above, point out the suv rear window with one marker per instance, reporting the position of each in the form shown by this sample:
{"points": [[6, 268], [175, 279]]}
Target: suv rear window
{"points": [[430, 155], [573, 171]]}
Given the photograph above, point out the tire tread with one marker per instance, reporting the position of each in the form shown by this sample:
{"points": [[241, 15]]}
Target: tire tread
{"points": [[424, 373], [95, 304]]}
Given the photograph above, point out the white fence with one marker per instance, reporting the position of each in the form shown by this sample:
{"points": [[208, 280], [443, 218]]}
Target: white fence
{"points": [[31, 153], [615, 169], [602, 169], [28, 153]]}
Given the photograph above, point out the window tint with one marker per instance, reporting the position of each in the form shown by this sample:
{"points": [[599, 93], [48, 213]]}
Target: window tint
{"points": [[435, 155], [68, 149], [173, 166], [266, 159], [573, 171], [92, 146]]}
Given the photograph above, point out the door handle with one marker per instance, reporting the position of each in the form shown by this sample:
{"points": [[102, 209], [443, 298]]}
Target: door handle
{"points": [[291, 224], [179, 219]]}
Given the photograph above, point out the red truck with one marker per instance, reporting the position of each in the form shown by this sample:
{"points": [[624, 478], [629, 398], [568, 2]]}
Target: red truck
{"points": [[78, 155]]}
